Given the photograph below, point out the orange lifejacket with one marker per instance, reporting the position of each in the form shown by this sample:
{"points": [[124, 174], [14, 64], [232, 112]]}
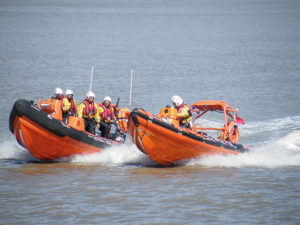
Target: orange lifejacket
{"points": [[123, 114], [230, 130], [91, 111], [108, 113], [226, 134], [234, 138], [231, 134]]}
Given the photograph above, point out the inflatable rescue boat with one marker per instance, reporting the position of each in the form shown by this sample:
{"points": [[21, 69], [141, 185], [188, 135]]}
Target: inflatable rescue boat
{"points": [[166, 142], [39, 129]]}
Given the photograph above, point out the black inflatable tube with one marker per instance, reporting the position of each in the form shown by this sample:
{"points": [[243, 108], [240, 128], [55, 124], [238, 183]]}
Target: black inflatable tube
{"points": [[24, 107]]}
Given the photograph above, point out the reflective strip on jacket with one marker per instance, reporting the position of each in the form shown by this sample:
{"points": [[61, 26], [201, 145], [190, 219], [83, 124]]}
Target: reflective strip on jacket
{"points": [[69, 106], [106, 114], [183, 114], [82, 112]]}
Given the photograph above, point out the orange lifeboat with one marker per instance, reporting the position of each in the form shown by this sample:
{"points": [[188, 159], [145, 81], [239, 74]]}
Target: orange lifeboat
{"points": [[164, 141], [39, 129]]}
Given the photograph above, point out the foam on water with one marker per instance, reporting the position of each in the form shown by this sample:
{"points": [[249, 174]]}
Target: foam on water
{"points": [[275, 143], [126, 154], [10, 149], [284, 152]]}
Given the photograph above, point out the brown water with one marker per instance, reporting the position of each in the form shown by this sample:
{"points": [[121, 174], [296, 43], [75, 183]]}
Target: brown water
{"points": [[84, 193], [244, 52]]}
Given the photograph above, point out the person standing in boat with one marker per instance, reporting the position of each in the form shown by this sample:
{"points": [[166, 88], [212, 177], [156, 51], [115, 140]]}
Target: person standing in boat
{"points": [[107, 115], [58, 94], [69, 106], [88, 110], [183, 112]]}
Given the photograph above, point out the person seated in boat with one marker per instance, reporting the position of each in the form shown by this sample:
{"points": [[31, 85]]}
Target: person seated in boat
{"points": [[183, 112], [107, 115], [88, 110], [58, 94], [69, 106]]}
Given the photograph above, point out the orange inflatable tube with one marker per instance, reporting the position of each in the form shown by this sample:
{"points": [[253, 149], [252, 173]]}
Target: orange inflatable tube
{"points": [[48, 138], [167, 143]]}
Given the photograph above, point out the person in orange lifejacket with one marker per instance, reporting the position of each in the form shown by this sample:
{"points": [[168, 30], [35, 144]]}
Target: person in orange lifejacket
{"points": [[107, 115], [69, 106], [183, 112], [58, 94], [88, 110]]}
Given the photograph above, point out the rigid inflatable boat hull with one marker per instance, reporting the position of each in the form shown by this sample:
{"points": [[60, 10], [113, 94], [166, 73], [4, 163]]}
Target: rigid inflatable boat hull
{"points": [[167, 144], [49, 139]]}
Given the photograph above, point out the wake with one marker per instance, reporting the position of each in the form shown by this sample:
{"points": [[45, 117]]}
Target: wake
{"points": [[10, 150], [274, 143], [126, 154], [284, 152]]}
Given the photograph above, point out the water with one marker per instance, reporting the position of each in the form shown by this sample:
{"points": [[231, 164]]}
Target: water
{"points": [[244, 52]]}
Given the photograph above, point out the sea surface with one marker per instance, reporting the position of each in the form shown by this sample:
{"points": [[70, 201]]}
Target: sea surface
{"points": [[244, 52]]}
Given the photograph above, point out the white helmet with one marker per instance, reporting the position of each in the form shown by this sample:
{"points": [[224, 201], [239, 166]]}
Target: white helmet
{"points": [[68, 92], [107, 98], [58, 91], [177, 101], [90, 94]]}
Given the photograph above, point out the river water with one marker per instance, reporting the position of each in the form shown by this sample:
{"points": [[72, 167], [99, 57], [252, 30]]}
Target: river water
{"points": [[244, 52]]}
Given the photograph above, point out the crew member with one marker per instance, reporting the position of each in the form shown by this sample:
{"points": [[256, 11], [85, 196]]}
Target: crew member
{"points": [[107, 115], [88, 110], [69, 106], [58, 94], [182, 111]]}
